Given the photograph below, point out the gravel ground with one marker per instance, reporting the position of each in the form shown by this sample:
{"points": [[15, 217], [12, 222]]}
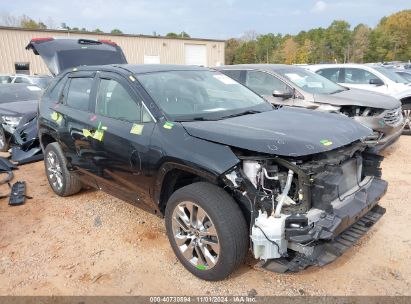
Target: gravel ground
{"points": [[94, 244]]}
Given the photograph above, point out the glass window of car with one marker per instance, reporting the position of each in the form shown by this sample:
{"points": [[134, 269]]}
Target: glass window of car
{"points": [[235, 74], [55, 92], [5, 79], [200, 94], [358, 76], [21, 80], [310, 82], [332, 74], [114, 101], [391, 75], [264, 83], [405, 75], [79, 93]]}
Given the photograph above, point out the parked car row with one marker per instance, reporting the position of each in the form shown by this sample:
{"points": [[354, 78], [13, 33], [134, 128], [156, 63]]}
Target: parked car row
{"points": [[374, 78], [297, 87], [229, 170], [41, 81]]}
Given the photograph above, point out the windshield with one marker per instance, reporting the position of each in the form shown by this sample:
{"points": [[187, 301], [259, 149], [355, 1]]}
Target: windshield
{"points": [[309, 81], [198, 95], [5, 79], [391, 75], [405, 75], [41, 82], [18, 92]]}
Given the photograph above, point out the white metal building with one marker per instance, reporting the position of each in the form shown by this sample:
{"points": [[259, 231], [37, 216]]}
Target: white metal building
{"points": [[137, 48]]}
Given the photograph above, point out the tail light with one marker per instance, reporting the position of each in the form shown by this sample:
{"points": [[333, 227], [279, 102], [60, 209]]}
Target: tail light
{"points": [[108, 42], [41, 39]]}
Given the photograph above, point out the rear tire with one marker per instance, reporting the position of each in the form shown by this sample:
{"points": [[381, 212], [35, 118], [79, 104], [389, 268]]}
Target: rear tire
{"points": [[406, 112], [206, 230], [62, 181]]}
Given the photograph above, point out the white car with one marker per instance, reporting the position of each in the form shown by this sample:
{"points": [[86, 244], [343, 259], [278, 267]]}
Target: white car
{"points": [[373, 78], [41, 81]]}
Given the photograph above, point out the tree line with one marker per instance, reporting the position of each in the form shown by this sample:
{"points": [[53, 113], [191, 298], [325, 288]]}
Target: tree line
{"points": [[25, 21], [390, 40]]}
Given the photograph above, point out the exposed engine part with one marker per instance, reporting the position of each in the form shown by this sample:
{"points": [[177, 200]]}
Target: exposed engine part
{"points": [[275, 184], [251, 169], [268, 237], [286, 189]]}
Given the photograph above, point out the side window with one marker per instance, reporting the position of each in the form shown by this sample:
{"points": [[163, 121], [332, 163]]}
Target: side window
{"points": [[358, 76], [332, 74], [21, 80], [234, 74], [56, 90], [114, 101], [264, 84], [79, 93]]}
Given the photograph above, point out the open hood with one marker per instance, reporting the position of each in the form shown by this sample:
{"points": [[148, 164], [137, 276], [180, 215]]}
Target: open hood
{"points": [[65, 53], [357, 97], [283, 132]]}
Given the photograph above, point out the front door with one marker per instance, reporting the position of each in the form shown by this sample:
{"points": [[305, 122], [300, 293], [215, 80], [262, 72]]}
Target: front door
{"points": [[265, 84], [360, 79], [122, 129]]}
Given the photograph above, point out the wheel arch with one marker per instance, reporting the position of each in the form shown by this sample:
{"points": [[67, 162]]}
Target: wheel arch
{"points": [[173, 176]]}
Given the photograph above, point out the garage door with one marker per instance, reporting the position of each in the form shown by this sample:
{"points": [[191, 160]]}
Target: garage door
{"points": [[195, 54]]}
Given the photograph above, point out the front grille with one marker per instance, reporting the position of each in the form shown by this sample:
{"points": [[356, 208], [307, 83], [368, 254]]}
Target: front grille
{"points": [[393, 117]]}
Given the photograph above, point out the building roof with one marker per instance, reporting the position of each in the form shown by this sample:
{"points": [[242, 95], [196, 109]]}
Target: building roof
{"points": [[144, 68], [102, 34]]}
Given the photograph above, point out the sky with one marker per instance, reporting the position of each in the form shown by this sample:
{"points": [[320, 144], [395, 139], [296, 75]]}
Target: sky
{"points": [[218, 19]]}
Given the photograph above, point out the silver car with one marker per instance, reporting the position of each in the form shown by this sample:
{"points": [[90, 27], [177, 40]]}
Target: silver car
{"points": [[296, 87]]}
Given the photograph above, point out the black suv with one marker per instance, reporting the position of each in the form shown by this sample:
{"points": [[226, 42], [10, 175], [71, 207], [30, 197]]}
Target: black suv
{"points": [[226, 169]]}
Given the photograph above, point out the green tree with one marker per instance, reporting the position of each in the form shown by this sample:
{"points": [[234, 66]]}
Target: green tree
{"points": [[266, 44], [172, 35], [360, 42], [97, 30], [116, 31], [231, 46], [338, 37], [27, 22]]}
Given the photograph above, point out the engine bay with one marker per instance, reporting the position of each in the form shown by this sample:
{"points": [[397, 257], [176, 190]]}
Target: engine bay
{"points": [[298, 205]]}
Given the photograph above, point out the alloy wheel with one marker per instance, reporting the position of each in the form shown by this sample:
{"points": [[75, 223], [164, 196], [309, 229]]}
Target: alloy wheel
{"points": [[54, 170], [195, 235]]}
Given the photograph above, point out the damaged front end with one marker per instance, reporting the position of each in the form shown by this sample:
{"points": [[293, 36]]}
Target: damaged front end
{"points": [[25, 145], [307, 210]]}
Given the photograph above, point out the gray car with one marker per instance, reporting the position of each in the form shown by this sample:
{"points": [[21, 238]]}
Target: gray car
{"points": [[296, 87]]}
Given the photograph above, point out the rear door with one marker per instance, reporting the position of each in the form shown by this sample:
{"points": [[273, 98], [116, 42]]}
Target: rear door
{"points": [[122, 152], [72, 115], [67, 53]]}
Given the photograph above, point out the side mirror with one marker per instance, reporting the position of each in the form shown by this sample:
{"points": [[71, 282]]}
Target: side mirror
{"points": [[282, 94], [376, 81]]}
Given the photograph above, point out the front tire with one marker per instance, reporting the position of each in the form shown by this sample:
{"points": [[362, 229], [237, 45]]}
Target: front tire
{"points": [[207, 231], [62, 181]]}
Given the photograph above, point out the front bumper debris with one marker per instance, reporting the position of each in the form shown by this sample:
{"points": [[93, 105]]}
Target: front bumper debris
{"points": [[334, 233]]}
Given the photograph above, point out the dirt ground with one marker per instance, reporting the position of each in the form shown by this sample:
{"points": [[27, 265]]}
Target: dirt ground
{"points": [[94, 244]]}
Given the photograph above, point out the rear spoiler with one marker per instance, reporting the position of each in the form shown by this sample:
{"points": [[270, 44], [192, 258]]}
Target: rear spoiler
{"points": [[80, 41]]}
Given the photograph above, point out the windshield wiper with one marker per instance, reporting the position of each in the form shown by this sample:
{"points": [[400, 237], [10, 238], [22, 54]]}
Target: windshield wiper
{"points": [[195, 119], [248, 112]]}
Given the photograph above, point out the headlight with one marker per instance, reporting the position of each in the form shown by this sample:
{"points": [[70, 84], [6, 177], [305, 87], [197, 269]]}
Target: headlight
{"points": [[10, 122]]}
